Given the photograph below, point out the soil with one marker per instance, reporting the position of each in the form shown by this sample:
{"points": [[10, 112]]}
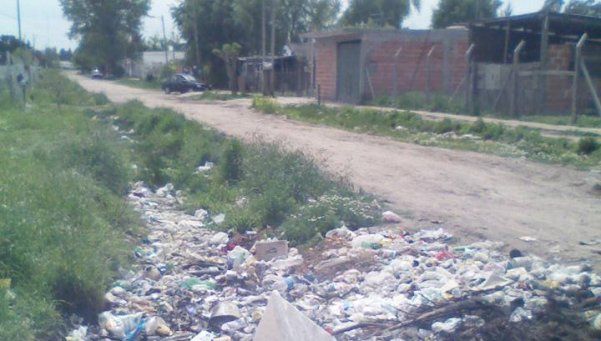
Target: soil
{"points": [[474, 196]]}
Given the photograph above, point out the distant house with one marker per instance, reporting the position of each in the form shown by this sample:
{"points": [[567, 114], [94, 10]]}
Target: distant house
{"points": [[291, 72], [151, 62], [543, 78], [473, 63], [352, 65]]}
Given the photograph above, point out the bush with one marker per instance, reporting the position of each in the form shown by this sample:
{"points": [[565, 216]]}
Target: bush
{"points": [[231, 167], [587, 145], [265, 105]]}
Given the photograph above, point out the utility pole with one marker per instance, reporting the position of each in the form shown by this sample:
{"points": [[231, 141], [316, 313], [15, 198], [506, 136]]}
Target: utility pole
{"points": [[165, 41], [272, 74], [19, 18], [263, 46]]}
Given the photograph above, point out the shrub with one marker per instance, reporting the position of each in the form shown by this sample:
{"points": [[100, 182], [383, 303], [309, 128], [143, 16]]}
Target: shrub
{"points": [[587, 145], [231, 167], [265, 105]]}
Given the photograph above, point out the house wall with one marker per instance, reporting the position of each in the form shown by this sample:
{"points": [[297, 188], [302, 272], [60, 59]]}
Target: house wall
{"points": [[559, 88], [386, 73], [326, 66]]}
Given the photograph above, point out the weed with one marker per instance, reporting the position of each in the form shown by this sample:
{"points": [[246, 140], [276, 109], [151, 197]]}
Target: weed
{"points": [[231, 166], [477, 136], [266, 105], [587, 145], [64, 221]]}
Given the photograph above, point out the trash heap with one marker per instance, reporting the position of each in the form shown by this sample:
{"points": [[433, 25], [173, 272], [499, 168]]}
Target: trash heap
{"points": [[191, 282]]}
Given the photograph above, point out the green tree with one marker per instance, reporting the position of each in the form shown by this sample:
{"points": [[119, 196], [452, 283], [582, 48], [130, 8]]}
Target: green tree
{"points": [[207, 25], [451, 12], [584, 7], [108, 31], [379, 12], [553, 5], [229, 54]]}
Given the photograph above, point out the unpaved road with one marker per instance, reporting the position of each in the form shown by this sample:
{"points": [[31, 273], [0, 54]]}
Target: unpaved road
{"points": [[474, 195]]}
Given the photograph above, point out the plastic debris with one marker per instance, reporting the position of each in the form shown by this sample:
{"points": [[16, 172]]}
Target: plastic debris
{"points": [[270, 249], [391, 217], [527, 239], [78, 334], [282, 321], [191, 282], [449, 326], [206, 167], [224, 312], [219, 238]]}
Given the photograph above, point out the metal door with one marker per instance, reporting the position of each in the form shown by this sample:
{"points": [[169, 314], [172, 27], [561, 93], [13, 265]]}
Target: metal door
{"points": [[347, 83]]}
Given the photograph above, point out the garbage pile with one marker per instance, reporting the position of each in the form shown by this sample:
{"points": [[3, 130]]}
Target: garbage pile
{"points": [[191, 282]]}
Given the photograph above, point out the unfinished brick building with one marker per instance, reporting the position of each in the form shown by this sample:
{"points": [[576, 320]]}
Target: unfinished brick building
{"points": [[354, 64], [476, 64], [547, 75]]}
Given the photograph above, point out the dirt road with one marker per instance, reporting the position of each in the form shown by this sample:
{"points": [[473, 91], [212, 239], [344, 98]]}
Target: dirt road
{"points": [[473, 195]]}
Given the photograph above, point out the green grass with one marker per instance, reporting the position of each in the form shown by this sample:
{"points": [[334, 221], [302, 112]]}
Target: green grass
{"points": [[218, 96], [64, 219], [478, 136], [584, 121], [419, 101], [140, 83], [256, 185], [443, 103]]}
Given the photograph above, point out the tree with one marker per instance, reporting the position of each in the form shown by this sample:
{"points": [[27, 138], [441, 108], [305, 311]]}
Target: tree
{"points": [[451, 12], [584, 7], [108, 31], [507, 11], [207, 25], [379, 12], [553, 5], [229, 54]]}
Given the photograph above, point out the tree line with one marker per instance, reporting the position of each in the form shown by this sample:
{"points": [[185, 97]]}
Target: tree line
{"points": [[110, 30]]}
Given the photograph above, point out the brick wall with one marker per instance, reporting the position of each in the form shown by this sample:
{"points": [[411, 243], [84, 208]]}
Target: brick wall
{"points": [[559, 88], [325, 68], [379, 58], [411, 66]]}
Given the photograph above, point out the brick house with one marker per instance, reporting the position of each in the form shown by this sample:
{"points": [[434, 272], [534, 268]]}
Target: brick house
{"points": [[353, 65], [356, 65], [545, 69]]}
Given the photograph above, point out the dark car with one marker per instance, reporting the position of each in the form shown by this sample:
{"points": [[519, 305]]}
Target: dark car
{"points": [[96, 74], [182, 83]]}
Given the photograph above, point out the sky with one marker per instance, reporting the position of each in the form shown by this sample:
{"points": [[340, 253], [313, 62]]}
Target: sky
{"points": [[44, 25]]}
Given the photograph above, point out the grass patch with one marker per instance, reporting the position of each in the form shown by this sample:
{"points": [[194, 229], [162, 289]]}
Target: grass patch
{"points": [[419, 101], [443, 103], [64, 219], [478, 136], [140, 83], [218, 96], [256, 185], [584, 121]]}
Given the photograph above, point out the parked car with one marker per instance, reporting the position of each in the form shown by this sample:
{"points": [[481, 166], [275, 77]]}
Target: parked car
{"points": [[96, 74], [183, 83]]}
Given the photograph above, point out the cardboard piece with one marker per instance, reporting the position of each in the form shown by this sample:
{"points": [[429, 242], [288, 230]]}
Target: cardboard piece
{"points": [[283, 322], [271, 249]]}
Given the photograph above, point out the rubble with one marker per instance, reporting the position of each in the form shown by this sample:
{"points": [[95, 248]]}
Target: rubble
{"points": [[190, 282]]}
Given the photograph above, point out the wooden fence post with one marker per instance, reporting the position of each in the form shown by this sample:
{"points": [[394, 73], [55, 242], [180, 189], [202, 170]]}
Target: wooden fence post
{"points": [[429, 74], [468, 78], [514, 86], [576, 79]]}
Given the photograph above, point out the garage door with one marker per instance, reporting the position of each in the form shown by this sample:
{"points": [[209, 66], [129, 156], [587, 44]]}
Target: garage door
{"points": [[347, 84]]}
